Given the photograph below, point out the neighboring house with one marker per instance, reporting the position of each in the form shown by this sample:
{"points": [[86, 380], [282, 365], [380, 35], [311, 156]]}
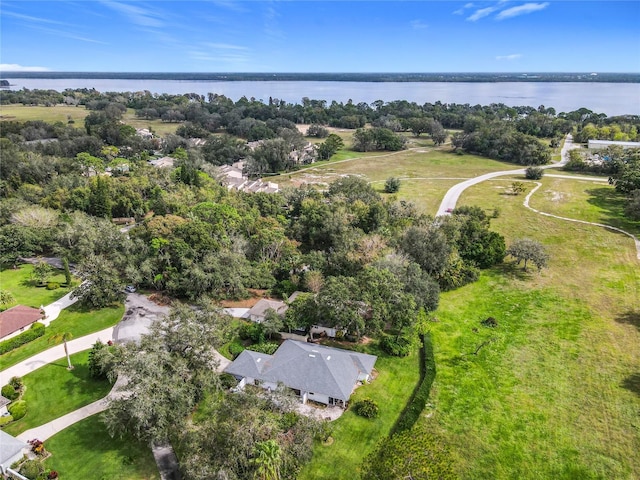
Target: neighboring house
{"points": [[164, 162], [602, 144], [258, 312], [17, 319], [144, 133], [322, 374], [11, 450], [233, 178], [4, 402], [308, 154], [321, 330]]}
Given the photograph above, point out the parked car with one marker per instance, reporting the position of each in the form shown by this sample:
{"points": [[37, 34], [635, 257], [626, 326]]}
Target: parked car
{"points": [[130, 289]]}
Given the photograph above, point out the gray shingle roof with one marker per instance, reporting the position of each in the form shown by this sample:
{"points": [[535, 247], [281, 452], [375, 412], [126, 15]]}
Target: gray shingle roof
{"points": [[4, 401], [306, 367], [9, 447]]}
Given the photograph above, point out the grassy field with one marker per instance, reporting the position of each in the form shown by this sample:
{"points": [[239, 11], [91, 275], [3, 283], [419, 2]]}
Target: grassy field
{"points": [[354, 436], [157, 126], [62, 113], [53, 391], [555, 391], [58, 113], [74, 320], [85, 450], [18, 282]]}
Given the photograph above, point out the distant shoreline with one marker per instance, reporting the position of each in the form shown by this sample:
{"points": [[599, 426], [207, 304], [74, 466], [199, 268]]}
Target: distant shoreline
{"points": [[586, 77]]}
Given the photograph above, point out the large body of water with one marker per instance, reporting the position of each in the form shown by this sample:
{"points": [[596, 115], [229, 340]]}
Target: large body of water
{"points": [[609, 98]]}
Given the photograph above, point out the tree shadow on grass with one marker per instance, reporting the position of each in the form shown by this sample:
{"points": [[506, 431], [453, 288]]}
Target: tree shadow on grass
{"points": [[612, 205], [629, 318], [632, 383], [511, 269]]}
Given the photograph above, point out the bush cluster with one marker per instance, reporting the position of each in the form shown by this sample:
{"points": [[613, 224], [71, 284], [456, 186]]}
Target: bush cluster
{"points": [[418, 401], [366, 408], [53, 286], [252, 331], [9, 392], [18, 409], [36, 331], [398, 347], [266, 348], [235, 349]]}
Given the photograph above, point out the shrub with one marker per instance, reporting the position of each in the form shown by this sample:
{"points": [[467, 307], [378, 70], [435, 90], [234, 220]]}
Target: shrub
{"points": [[266, 348], [6, 419], [392, 185], [18, 409], [36, 331], [252, 331], [418, 400], [53, 286], [317, 131], [398, 347], [533, 173], [366, 408], [17, 383], [228, 381], [32, 468], [9, 392], [52, 475], [235, 349]]}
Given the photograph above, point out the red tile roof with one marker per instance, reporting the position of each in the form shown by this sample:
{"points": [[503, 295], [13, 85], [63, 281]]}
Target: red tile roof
{"points": [[18, 317]]}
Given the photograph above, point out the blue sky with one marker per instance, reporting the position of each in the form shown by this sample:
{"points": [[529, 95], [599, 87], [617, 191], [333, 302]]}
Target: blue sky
{"points": [[320, 36]]}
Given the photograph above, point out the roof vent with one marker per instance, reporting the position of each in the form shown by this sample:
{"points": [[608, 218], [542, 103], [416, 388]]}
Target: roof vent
{"points": [[329, 357], [312, 356], [258, 360]]}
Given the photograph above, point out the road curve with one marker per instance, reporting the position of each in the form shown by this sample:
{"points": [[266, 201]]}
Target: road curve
{"points": [[451, 197]]}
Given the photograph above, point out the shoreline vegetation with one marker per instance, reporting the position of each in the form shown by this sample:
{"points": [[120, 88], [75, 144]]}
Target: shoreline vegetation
{"points": [[471, 77]]}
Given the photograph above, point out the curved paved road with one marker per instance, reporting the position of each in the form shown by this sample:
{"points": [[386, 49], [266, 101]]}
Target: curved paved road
{"points": [[451, 197]]}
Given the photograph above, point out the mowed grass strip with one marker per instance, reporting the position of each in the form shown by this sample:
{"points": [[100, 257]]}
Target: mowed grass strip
{"points": [[19, 283], [355, 437], [85, 450], [74, 320], [53, 391]]}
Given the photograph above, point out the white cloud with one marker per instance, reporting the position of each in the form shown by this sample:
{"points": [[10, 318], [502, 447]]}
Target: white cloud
{"points": [[144, 17], [418, 25], [521, 10], [461, 10], [14, 67], [30, 18], [481, 13], [513, 56], [225, 46]]}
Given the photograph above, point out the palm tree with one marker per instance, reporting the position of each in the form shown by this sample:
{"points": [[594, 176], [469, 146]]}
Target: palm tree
{"points": [[63, 337], [268, 460]]}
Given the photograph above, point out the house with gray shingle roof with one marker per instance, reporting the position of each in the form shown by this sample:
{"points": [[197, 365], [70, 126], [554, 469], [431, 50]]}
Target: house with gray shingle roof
{"points": [[4, 402], [11, 449], [314, 372]]}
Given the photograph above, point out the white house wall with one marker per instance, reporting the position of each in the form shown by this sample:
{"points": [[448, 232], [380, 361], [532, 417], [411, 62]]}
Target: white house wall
{"points": [[318, 397]]}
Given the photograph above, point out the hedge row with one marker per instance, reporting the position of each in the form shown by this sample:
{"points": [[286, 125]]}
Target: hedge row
{"points": [[36, 331], [418, 401]]}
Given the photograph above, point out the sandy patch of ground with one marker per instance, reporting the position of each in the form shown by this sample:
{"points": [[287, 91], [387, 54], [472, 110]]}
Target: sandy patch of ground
{"points": [[555, 196]]}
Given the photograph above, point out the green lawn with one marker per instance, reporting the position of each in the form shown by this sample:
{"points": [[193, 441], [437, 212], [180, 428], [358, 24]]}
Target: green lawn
{"points": [[555, 391], [555, 394], [86, 451], [23, 288], [354, 436], [74, 320], [53, 391], [57, 113]]}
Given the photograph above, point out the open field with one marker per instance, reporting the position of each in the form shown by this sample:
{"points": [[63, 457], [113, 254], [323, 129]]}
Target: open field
{"points": [[354, 436], [555, 393], [62, 113], [74, 320], [157, 126], [85, 450], [53, 391], [18, 282], [57, 113]]}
